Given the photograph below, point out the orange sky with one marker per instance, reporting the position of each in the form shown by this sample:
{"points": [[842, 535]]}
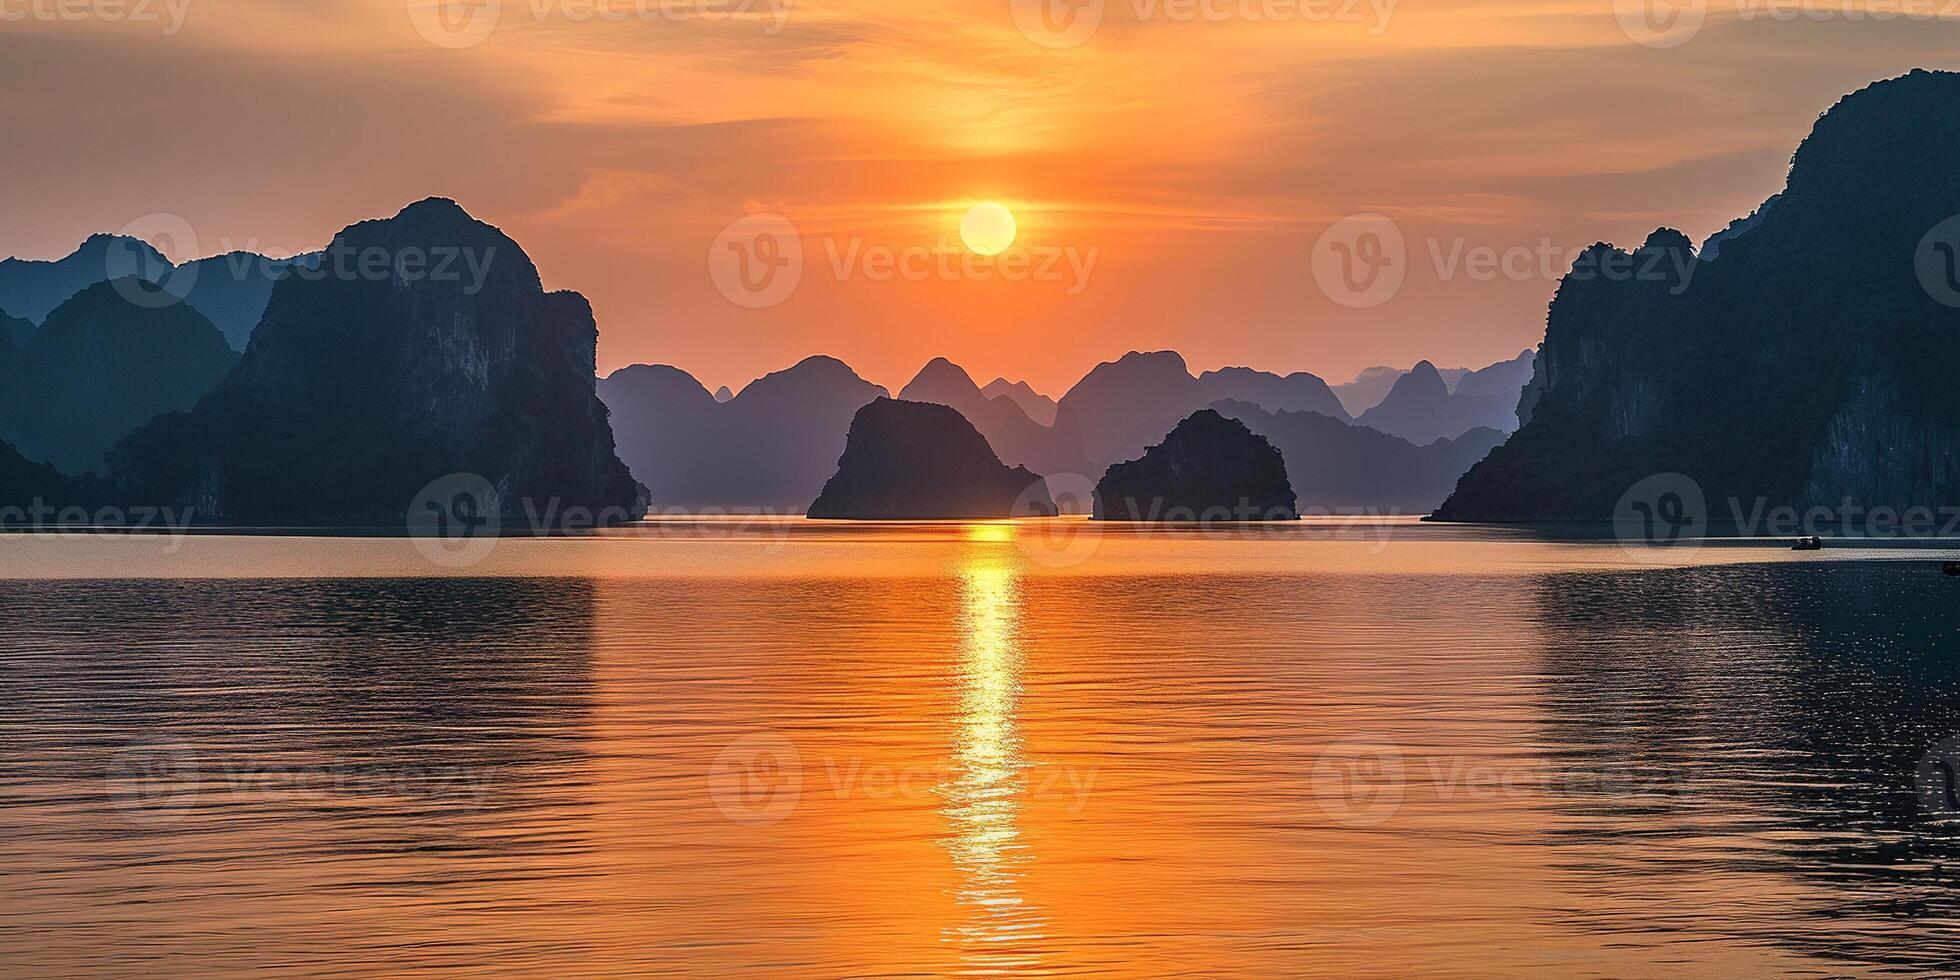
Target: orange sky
{"points": [[1188, 155]]}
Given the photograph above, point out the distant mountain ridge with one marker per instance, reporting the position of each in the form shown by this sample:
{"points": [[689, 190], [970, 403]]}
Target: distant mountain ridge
{"points": [[769, 448], [231, 290]]}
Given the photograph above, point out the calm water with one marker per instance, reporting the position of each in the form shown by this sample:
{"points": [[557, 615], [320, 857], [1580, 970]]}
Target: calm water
{"points": [[794, 749]]}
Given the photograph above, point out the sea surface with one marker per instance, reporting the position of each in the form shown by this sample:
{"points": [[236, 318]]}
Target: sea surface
{"points": [[784, 748]]}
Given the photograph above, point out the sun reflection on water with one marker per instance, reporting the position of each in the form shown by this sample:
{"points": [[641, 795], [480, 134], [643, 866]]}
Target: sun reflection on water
{"points": [[983, 798]]}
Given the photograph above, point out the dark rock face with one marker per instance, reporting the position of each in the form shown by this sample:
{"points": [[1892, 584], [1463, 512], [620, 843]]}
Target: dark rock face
{"points": [[14, 332], [768, 449], [1342, 468], [26, 484], [370, 378], [1209, 468], [1809, 363], [110, 359], [924, 461]]}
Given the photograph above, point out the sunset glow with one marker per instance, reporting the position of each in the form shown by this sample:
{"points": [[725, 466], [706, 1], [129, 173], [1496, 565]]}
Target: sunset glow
{"points": [[1200, 155]]}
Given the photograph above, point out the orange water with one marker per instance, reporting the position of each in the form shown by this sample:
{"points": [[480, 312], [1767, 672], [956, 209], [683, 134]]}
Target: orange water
{"points": [[787, 748]]}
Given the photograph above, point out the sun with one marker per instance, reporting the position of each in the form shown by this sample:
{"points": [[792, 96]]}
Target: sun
{"points": [[988, 228]]}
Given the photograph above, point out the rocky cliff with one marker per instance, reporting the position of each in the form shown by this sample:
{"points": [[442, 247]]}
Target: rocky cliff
{"points": [[924, 461], [423, 346], [1209, 468], [1806, 364]]}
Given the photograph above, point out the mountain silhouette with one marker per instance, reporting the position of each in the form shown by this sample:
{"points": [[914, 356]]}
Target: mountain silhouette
{"points": [[32, 288], [1039, 407], [723, 395], [1015, 438], [111, 358], [1207, 468], [769, 448], [1504, 380], [1806, 365], [1125, 405], [25, 483], [1421, 408], [357, 393], [1343, 468], [230, 290], [1296, 392], [908, 460]]}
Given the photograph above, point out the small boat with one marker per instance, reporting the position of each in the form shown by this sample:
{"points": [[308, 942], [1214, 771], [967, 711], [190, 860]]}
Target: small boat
{"points": [[1812, 543]]}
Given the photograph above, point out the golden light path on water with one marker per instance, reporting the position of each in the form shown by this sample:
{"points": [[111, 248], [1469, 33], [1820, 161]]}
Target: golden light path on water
{"points": [[983, 797]]}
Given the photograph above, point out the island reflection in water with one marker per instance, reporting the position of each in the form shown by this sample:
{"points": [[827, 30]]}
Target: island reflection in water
{"points": [[937, 750]]}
